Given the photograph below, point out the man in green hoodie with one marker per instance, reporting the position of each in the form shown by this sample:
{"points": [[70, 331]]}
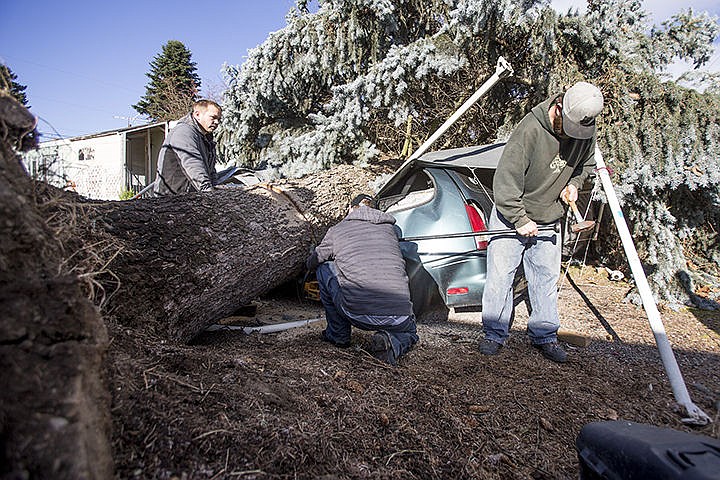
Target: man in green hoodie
{"points": [[546, 160]]}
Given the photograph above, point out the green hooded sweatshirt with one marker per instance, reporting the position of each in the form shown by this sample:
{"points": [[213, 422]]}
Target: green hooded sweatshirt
{"points": [[536, 165]]}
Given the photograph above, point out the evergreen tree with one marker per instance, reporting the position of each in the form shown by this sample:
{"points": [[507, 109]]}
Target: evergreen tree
{"points": [[174, 84], [343, 84], [8, 83]]}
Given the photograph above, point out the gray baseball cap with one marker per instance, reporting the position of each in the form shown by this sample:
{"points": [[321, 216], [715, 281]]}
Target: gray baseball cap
{"points": [[581, 104]]}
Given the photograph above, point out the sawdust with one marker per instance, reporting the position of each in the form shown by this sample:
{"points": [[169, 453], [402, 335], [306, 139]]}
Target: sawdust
{"points": [[287, 405]]}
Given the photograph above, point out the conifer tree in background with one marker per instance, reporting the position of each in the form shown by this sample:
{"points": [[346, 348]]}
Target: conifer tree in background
{"points": [[9, 84], [174, 84], [343, 83]]}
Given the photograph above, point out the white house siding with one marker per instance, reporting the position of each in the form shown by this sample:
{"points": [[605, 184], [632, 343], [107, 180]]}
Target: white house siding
{"points": [[100, 166], [100, 175], [92, 166]]}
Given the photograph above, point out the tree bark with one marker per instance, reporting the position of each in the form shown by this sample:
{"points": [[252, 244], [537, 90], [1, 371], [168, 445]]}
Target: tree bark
{"points": [[187, 261], [54, 406]]}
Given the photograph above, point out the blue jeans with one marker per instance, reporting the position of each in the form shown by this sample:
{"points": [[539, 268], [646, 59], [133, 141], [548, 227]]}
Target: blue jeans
{"points": [[540, 257], [402, 335]]}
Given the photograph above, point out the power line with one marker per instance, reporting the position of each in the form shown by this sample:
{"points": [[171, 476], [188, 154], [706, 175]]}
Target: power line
{"points": [[79, 105], [67, 72], [59, 136]]}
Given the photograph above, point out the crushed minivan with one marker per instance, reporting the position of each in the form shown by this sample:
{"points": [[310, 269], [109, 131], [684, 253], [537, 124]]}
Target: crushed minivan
{"points": [[443, 193]]}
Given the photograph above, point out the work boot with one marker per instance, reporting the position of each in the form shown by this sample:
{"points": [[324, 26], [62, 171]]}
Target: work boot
{"points": [[552, 351], [325, 338], [380, 347], [488, 347]]}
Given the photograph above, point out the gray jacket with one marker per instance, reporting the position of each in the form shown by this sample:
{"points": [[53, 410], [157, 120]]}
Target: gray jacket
{"points": [[186, 162], [371, 269]]}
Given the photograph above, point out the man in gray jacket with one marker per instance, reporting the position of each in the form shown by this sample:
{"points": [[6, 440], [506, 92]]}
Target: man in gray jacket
{"points": [[546, 160], [186, 162], [362, 281]]}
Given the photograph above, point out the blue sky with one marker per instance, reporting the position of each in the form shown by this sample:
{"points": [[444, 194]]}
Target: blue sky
{"points": [[84, 62]]}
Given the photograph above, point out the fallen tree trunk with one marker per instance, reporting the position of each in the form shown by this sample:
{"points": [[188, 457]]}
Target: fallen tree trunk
{"points": [[184, 262], [170, 265], [54, 406]]}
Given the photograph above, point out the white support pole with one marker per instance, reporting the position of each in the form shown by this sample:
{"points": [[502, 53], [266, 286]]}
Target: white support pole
{"points": [[502, 70], [695, 415]]}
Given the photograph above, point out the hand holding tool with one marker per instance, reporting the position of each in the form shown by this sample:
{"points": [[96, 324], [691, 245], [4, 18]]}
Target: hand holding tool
{"points": [[580, 223]]}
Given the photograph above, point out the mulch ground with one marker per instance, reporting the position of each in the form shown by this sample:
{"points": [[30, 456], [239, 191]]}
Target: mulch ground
{"points": [[286, 405]]}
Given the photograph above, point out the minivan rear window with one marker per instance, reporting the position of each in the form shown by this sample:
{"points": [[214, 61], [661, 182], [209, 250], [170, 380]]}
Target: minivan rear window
{"points": [[477, 179], [417, 189]]}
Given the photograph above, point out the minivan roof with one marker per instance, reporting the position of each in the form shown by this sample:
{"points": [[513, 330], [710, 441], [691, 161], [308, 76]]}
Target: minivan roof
{"points": [[478, 156]]}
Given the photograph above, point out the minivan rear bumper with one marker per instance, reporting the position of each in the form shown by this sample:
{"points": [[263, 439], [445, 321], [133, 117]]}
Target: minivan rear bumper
{"points": [[459, 272]]}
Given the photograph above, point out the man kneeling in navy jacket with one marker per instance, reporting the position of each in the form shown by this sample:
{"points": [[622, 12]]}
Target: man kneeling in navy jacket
{"points": [[362, 281]]}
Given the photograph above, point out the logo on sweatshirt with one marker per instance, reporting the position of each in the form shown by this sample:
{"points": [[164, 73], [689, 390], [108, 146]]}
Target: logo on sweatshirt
{"points": [[557, 164]]}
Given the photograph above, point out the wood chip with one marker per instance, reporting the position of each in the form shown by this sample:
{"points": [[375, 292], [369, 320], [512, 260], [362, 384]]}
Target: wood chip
{"points": [[479, 408], [545, 424]]}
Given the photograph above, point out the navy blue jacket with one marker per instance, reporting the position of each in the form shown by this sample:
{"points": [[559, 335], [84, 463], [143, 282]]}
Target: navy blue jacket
{"points": [[371, 269]]}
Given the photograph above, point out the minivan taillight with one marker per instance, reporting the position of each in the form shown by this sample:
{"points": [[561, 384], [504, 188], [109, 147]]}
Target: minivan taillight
{"points": [[477, 224], [458, 291]]}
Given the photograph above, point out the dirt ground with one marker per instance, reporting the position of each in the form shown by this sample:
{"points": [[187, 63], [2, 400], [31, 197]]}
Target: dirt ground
{"points": [[286, 405]]}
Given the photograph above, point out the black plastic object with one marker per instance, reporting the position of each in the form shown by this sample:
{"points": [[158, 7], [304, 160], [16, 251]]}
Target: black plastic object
{"points": [[626, 450]]}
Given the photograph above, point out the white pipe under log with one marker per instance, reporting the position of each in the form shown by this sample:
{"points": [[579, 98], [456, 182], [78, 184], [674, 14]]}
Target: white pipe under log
{"points": [[272, 328], [695, 415]]}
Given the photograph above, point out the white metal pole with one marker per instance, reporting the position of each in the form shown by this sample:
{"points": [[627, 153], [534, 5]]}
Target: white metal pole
{"points": [[696, 415], [502, 70]]}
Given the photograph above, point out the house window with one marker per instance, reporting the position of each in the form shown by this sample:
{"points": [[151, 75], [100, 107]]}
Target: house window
{"points": [[87, 153]]}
